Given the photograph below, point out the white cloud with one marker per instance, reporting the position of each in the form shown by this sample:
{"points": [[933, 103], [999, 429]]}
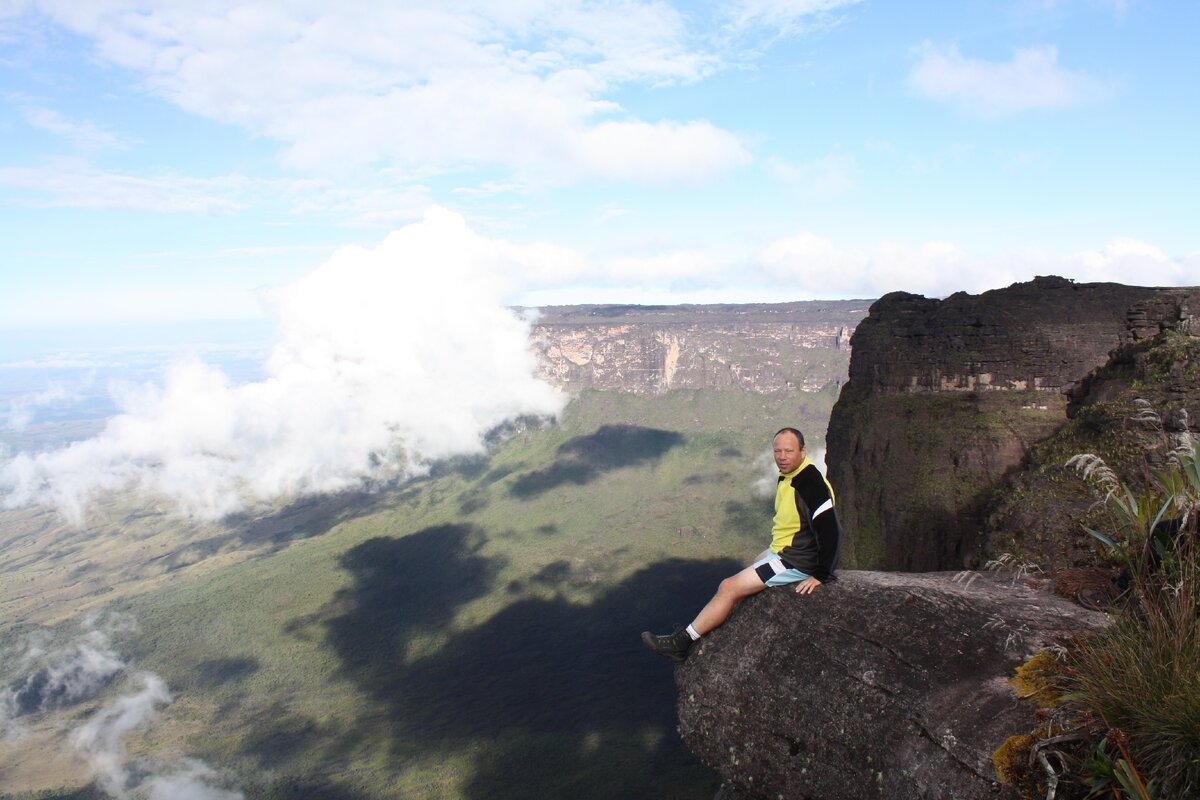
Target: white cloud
{"points": [[523, 85], [1130, 261], [83, 134], [57, 676], [816, 266], [1032, 80], [68, 674], [386, 358], [101, 742], [786, 15], [72, 184]]}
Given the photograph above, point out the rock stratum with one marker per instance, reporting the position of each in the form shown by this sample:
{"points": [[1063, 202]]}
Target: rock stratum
{"points": [[881, 685], [650, 350], [948, 400]]}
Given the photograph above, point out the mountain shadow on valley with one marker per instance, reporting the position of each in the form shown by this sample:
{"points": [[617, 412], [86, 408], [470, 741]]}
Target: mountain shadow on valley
{"points": [[584, 458], [557, 698]]}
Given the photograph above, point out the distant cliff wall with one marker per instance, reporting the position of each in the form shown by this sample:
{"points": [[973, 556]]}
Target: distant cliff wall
{"points": [[650, 350], [946, 397]]}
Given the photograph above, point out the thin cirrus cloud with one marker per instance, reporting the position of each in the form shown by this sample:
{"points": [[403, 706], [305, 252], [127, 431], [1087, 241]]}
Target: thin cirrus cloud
{"points": [[1032, 80], [526, 86], [84, 135], [72, 184], [829, 176]]}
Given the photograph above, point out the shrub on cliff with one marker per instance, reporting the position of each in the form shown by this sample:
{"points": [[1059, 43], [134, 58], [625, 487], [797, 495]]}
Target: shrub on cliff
{"points": [[1139, 676]]}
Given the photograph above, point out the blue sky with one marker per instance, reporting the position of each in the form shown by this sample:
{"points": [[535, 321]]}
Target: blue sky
{"points": [[169, 161]]}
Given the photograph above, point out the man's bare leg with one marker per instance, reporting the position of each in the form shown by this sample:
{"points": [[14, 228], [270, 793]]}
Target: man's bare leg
{"points": [[675, 645], [731, 590]]}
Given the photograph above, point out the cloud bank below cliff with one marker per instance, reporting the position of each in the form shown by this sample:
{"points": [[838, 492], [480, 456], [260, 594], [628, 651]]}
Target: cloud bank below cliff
{"points": [[385, 359]]}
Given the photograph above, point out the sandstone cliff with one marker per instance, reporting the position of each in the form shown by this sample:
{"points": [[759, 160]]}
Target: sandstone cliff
{"points": [[881, 685], [650, 350], [1142, 403], [947, 397]]}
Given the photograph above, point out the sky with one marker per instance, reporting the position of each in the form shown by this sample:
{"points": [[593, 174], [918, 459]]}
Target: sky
{"points": [[175, 162], [294, 232]]}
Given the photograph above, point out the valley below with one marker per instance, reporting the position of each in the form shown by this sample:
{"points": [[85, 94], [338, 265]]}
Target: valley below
{"points": [[472, 633]]}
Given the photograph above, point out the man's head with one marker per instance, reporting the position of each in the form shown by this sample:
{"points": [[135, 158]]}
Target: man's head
{"points": [[789, 449]]}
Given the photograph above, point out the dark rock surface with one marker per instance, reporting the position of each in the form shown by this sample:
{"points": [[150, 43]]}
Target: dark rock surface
{"points": [[881, 685], [947, 397], [1036, 515]]}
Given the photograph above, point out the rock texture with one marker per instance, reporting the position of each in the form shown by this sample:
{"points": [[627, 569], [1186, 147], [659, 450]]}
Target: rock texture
{"points": [[882, 685], [1037, 513], [947, 397], [653, 349]]}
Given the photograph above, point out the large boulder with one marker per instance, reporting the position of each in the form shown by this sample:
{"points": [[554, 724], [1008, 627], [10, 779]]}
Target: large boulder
{"points": [[881, 685]]}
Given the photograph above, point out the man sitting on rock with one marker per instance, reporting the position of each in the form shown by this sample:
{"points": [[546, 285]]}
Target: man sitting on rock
{"points": [[803, 551]]}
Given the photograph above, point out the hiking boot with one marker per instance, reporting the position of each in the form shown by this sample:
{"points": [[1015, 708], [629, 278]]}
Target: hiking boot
{"points": [[674, 646]]}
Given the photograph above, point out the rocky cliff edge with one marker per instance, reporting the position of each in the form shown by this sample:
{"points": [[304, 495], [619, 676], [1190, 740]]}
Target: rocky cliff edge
{"points": [[881, 685]]}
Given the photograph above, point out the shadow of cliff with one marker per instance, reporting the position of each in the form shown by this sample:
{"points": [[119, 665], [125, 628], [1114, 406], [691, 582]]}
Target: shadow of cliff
{"points": [[315, 515], [584, 458], [558, 698]]}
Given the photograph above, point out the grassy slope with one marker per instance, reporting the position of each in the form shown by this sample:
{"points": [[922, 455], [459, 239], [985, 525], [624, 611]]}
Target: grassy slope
{"points": [[473, 634]]}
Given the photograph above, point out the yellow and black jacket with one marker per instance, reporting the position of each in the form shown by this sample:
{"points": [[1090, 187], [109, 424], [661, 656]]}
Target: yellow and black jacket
{"points": [[806, 533]]}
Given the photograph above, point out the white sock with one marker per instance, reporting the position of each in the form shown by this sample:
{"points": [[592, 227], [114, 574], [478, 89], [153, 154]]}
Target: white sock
{"points": [[692, 633]]}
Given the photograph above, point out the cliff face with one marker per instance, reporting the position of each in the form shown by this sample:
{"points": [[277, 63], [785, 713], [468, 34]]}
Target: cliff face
{"points": [[650, 350], [1037, 513], [946, 397]]}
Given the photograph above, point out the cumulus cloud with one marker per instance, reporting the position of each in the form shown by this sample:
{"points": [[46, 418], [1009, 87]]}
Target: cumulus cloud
{"points": [[527, 86], [1033, 79], [386, 359]]}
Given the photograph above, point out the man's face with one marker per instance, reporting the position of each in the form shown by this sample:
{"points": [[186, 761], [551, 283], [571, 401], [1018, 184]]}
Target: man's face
{"points": [[788, 452]]}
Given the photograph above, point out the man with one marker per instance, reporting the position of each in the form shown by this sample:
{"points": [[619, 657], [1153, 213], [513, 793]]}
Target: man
{"points": [[803, 551]]}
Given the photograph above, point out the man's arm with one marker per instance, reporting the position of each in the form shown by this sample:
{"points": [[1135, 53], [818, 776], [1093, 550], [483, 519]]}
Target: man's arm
{"points": [[815, 502]]}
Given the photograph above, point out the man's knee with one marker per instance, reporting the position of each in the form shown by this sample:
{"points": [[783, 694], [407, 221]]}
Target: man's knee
{"points": [[740, 585]]}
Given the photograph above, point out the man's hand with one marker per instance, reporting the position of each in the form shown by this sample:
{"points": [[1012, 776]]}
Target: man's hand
{"points": [[807, 586]]}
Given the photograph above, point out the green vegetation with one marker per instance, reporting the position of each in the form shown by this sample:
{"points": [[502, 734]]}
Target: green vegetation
{"points": [[1037, 517], [1133, 688], [472, 634], [1140, 675]]}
